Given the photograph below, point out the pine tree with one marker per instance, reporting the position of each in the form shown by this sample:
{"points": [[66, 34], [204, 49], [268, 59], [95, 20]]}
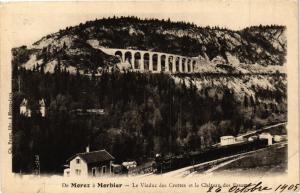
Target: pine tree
{"points": [[252, 103], [246, 101]]}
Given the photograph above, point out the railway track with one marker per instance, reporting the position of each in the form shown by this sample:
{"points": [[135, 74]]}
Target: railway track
{"points": [[210, 166]]}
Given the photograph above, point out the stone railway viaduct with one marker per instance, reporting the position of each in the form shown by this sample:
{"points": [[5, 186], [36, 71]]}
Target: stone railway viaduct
{"points": [[154, 61]]}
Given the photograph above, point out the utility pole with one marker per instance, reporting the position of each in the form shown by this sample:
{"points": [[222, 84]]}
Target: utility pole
{"points": [[37, 169]]}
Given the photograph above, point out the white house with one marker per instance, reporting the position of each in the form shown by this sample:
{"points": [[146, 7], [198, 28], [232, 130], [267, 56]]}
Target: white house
{"points": [[42, 107], [95, 163], [24, 109], [227, 140], [267, 136], [279, 138]]}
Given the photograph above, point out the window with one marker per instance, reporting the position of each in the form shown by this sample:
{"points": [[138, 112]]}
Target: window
{"points": [[93, 171], [78, 161], [78, 172]]}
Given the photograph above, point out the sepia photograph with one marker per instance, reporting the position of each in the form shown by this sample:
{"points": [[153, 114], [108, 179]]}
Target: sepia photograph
{"points": [[125, 95], [137, 95]]}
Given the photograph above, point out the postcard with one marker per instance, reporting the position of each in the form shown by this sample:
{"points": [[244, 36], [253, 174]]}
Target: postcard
{"points": [[149, 96]]}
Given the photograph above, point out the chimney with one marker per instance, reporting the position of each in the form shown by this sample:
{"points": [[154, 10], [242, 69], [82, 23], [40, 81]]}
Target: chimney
{"points": [[87, 149]]}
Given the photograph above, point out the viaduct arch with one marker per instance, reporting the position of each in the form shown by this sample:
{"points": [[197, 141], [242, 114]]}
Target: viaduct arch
{"points": [[141, 60]]}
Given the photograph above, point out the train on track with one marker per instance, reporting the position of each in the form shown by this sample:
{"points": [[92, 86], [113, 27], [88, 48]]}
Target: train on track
{"points": [[165, 164]]}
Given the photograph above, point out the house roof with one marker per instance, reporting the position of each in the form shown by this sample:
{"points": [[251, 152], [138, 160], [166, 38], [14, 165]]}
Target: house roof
{"points": [[42, 102], [94, 156], [24, 102], [227, 137]]}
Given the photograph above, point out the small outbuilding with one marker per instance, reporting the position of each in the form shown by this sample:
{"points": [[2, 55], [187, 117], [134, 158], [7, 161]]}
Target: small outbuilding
{"points": [[267, 136], [130, 164], [227, 140]]}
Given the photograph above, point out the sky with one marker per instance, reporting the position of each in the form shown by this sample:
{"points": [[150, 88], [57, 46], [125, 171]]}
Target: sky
{"points": [[28, 22]]}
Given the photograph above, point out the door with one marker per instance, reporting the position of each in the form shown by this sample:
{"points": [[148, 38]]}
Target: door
{"points": [[103, 169]]}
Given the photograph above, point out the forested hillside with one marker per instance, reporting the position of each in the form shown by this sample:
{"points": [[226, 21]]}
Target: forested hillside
{"points": [[144, 114]]}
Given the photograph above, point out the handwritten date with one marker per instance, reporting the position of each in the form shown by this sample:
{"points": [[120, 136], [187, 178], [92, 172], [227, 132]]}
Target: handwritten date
{"points": [[259, 187]]}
